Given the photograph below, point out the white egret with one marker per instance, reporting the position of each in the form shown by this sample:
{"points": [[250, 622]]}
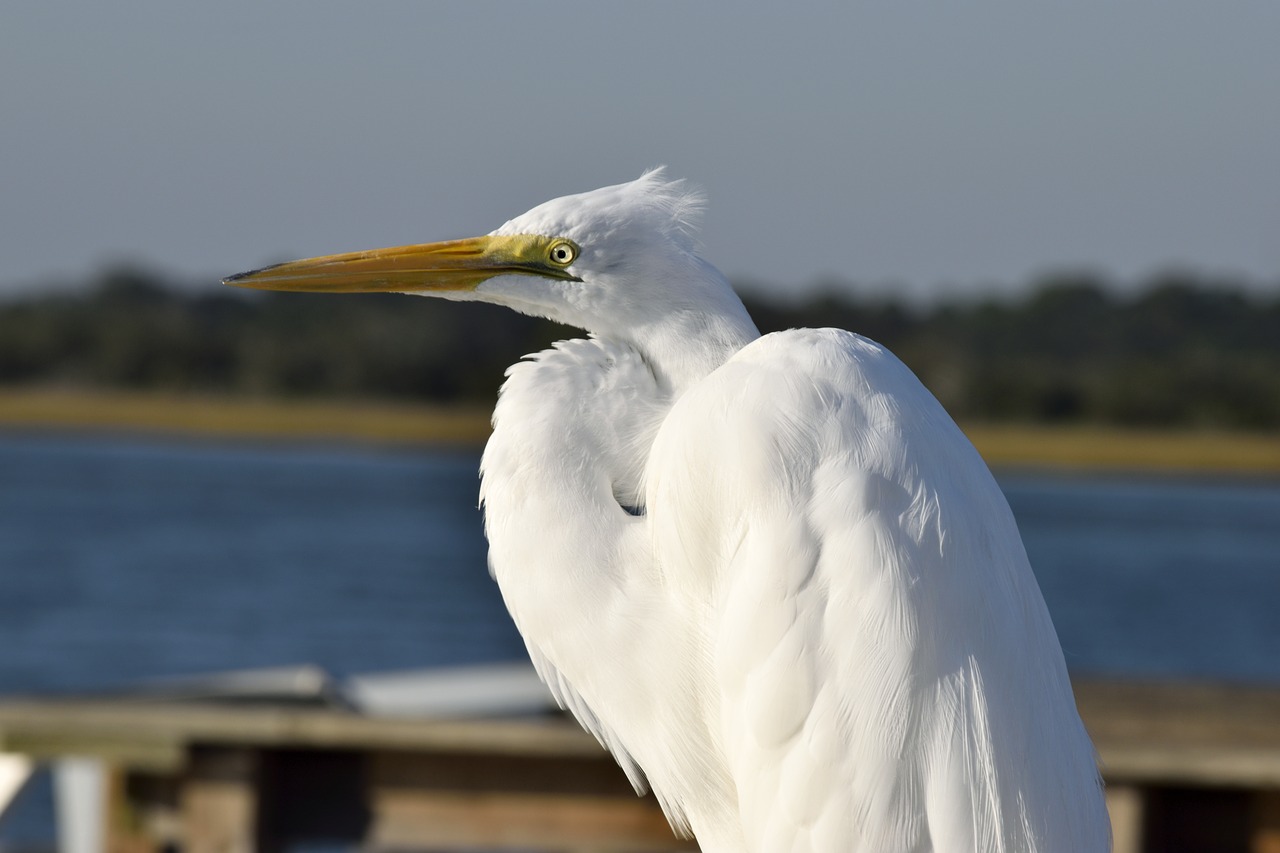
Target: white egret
{"points": [[770, 574]]}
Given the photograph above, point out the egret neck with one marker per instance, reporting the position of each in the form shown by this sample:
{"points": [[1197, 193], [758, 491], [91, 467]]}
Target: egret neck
{"points": [[686, 344]]}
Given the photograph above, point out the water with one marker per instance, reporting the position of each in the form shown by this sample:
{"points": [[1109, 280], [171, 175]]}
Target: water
{"points": [[1157, 577], [123, 560]]}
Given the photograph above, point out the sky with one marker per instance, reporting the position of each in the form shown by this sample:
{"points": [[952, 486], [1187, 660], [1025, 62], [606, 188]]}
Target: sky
{"points": [[915, 148]]}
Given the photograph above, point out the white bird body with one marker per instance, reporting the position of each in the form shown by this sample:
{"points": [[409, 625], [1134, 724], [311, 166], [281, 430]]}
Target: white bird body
{"points": [[769, 573], [835, 643]]}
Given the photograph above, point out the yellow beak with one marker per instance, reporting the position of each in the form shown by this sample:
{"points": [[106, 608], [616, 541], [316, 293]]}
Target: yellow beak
{"points": [[449, 266]]}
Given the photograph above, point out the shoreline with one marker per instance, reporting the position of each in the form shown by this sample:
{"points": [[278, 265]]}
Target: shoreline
{"points": [[203, 416], [1075, 447]]}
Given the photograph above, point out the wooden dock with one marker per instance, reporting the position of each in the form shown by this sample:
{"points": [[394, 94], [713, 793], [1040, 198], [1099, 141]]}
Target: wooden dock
{"points": [[1188, 767]]}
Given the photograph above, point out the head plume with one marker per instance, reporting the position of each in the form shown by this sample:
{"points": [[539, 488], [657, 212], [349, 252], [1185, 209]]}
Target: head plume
{"points": [[650, 204]]}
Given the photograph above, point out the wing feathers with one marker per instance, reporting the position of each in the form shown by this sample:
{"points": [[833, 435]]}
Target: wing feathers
{"points": [[888, 674]]}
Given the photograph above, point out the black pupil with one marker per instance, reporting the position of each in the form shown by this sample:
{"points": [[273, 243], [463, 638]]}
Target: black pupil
{"points": [[561, 253]]}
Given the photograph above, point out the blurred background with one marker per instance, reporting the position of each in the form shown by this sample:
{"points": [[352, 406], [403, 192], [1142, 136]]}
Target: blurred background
{"points": [[1064, 218]]}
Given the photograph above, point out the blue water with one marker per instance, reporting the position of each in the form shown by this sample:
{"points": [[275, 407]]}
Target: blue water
{"points": [[123, 560]]}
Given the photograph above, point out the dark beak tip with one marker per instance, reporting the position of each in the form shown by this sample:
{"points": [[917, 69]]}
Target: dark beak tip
{"points": [[237, 279]]}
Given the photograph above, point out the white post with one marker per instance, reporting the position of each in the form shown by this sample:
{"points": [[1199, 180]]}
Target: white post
{"points": [[80, 800]]}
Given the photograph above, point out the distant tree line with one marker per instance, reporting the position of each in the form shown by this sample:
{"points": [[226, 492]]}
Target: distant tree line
{"points": [[1180, 351]]}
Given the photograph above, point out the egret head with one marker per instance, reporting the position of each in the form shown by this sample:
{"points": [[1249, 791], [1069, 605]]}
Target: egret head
{"points": [[613, 261]]}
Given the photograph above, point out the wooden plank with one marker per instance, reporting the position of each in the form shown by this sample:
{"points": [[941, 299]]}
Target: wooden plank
{"points": [[1178, 764], [137, 751], [416, 820], [148, 724], [1184, 734], [569, 803], [1180, 713], [1146, 733]]}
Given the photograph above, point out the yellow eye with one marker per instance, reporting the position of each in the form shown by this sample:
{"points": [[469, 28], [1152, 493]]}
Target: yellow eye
{"points": [[563, 253]]}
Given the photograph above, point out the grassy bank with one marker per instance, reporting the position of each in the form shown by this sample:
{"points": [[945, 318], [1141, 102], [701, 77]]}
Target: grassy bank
{"points": [[365, 421], [1112, 448], [391, 423]]}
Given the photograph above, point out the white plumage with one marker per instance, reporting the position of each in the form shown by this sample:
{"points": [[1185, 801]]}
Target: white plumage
{"points": [[769, 573]]}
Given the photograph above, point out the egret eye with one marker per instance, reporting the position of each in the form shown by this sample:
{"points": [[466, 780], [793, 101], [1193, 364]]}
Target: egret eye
{"points": [[563, 254]]}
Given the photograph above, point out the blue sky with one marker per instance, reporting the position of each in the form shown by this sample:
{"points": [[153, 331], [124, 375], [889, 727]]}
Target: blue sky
{"points": [[928, 147]]}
